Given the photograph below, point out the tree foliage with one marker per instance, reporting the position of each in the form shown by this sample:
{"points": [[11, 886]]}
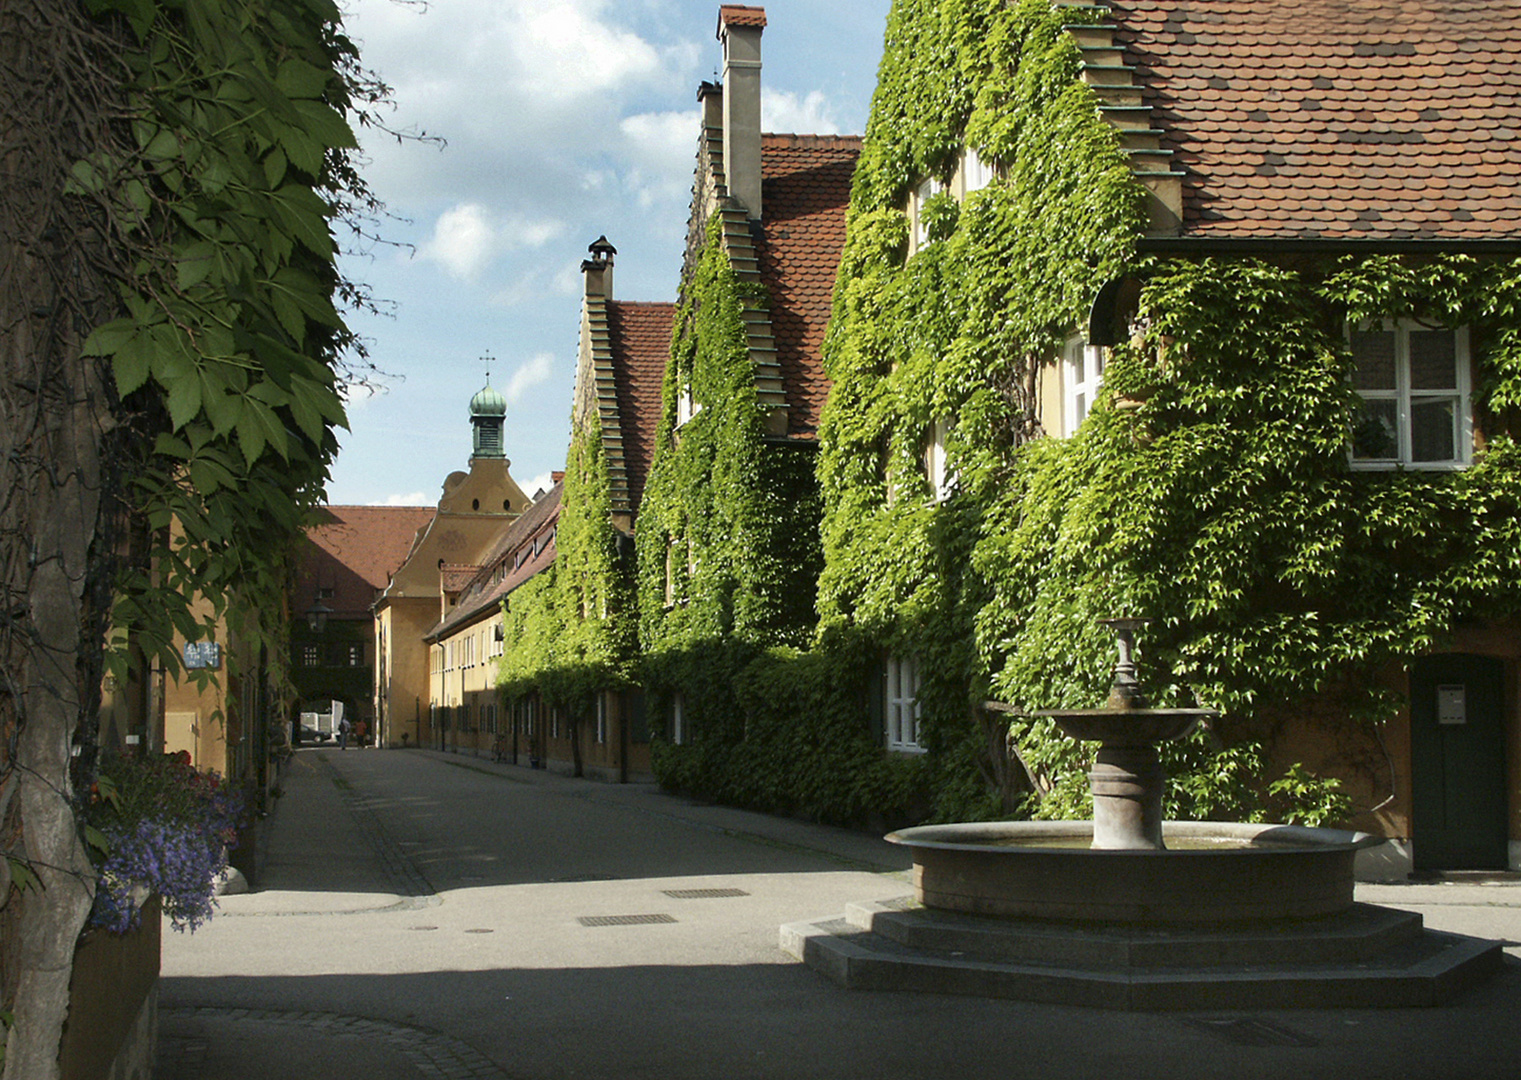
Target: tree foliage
{"points": [[172, 362]]}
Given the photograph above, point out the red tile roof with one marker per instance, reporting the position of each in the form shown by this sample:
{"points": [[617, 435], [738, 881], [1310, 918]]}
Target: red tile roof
{"points": [[353, 550], [741, 15], [805, 192], [454, 577], [641, 347], [1359, 119], [524, 549]]}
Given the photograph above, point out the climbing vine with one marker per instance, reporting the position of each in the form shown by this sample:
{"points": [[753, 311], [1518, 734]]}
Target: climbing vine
{"points": [[1209, 489], [570, 630]]}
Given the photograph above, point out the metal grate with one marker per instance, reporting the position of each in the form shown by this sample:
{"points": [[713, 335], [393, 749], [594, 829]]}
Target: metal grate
{"points": [[623, 920], [703, 894]]}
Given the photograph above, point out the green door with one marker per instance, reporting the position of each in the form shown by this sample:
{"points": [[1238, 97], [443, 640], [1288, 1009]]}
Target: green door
{"points": [[1457, 751]]}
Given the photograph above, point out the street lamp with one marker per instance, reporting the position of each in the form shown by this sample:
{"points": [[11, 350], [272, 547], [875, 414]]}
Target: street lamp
{"points": [[316, 616]]}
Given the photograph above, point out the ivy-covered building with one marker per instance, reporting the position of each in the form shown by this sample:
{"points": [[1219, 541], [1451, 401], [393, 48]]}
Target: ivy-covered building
{"points": [[1207, 315], [569, 672], [728, 548]]}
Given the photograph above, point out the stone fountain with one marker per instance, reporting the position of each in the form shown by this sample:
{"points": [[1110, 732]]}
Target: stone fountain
{"points": [[1128, 911]]}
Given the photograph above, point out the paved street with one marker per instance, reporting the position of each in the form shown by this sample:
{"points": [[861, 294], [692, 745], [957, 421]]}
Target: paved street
{"points": [[423, 915]]}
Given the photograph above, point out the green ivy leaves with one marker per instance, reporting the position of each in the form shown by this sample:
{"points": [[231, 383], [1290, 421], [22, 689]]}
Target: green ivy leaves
{"points": [[222, 192]]}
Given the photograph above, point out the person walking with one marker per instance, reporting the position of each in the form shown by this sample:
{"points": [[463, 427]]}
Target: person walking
{"points": [[343, 733]]}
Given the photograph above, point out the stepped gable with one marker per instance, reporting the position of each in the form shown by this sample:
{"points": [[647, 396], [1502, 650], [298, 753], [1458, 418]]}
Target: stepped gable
{"points": [[354, 550], [640, 338], [1359, 120], [806, 182]]}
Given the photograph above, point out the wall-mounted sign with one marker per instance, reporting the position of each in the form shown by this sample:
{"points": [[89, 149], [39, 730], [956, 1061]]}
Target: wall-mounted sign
{"points": [[1452, 704], [203, 654]]}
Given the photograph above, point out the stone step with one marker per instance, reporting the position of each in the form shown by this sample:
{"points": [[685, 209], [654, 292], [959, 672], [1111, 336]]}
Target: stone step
{"points": [[1128, 117], [1361, 933], [1092, 35], [1426, 972], [1151, 161], [1106, 74], [1111, 94], [1141, 138], [1105, 56]]}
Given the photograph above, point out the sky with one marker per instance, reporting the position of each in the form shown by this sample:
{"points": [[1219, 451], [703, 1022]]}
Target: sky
{"points": [[562, 120]]}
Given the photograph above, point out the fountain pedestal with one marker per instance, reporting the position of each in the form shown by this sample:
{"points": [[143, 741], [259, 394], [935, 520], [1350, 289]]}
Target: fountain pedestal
{"points": [[1126, 782]]}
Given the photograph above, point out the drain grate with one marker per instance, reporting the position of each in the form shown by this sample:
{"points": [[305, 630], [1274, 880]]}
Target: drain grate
{"points": [[703, 894], [1249, 1031], [623, 920]]}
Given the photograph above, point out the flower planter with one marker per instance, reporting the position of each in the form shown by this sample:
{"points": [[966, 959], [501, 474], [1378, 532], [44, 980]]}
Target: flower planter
{"points": [[113, 999]]}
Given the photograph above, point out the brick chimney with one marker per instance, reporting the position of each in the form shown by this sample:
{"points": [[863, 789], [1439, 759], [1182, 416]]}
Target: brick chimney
{"points": [[739, 30]]}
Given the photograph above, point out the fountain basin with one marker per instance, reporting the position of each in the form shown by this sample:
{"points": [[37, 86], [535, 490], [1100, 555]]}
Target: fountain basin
{"points": [[1212, 872]]}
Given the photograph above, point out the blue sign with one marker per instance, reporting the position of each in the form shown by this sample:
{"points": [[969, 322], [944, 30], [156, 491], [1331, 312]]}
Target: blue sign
{"points": [[203, 654]]}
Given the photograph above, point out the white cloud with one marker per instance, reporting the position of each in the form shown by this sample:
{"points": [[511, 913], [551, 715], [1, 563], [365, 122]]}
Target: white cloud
{"points": [[461, 240], [529, 374], [785, 111], [416, 498], [466, 238], [543, 482]]}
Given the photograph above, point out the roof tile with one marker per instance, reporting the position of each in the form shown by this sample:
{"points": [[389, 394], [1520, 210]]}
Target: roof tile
{"points": [[1425, 91], [805, 193]]}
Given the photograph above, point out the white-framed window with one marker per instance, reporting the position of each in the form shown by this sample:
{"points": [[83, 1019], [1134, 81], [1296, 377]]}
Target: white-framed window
{"points": [[678, 720], [1414, 382], [937, 470], [976, 174], [686, 405], [1082, 376], [902, 704], [918, 224]]}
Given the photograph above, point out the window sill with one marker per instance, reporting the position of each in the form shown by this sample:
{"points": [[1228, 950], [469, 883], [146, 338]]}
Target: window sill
{"points": [[1408, 466]]}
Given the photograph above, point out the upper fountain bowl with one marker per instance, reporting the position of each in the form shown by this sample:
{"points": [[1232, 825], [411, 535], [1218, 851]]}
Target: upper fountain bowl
{"points": [[1127, 727]]}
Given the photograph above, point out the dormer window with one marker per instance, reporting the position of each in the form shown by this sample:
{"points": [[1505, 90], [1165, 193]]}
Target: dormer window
{"points": [[1414, 382]]}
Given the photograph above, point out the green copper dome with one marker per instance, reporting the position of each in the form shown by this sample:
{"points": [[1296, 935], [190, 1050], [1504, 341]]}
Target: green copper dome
{"points": [[488, 402]]}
